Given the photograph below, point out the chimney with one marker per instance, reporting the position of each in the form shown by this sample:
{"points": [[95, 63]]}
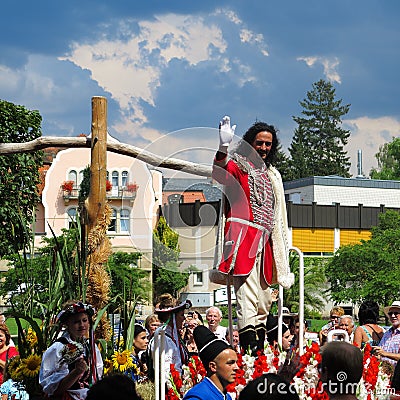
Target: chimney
{"points": [[359, 165]]}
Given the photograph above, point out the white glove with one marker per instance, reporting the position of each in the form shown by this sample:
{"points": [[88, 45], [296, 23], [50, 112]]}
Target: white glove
{"points": [[226, 132]]}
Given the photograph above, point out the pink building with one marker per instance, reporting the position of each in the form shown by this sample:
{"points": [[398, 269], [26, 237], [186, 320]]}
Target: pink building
{"points": [[134, 196]]}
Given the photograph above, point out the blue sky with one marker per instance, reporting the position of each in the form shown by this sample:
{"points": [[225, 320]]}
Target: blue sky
{"points": [[168, 67]]}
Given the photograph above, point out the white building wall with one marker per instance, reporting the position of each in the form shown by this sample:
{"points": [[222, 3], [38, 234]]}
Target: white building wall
{"points": [[350, 196], [345, 195]]}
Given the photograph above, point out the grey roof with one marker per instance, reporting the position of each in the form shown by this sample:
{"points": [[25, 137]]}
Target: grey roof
{"points": [[212, 191], [340, 181]]}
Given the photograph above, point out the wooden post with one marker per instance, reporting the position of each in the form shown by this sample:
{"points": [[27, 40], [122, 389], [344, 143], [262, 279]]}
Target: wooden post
{"points": [[98, 164]]}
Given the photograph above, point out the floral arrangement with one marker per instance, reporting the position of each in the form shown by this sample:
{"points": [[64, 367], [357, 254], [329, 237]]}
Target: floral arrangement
{"points": [[375, 381], [71, 352], [68, 186], [374, 384], [108, 185], [26, 372], [131, 187], [178, 384]]}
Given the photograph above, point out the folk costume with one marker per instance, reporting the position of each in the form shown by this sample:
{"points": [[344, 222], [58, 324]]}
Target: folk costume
{"points": [[256, 247], [210, 346], [175, 349], [60, 358]]}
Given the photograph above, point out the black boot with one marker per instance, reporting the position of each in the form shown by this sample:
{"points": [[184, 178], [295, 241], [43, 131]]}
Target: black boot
{"points": [[260, 331], [248, 340]]}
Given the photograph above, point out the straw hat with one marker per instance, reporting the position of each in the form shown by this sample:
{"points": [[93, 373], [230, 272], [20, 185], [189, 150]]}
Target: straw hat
{"points": [[395, 305]]}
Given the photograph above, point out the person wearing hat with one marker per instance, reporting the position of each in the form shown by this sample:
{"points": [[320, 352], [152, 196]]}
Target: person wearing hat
{"points": [[220, 362], [73, 362], [272, 333], [389, 346], [171, 314]]}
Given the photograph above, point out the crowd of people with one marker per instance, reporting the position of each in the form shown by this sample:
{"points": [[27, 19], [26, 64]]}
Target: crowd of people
{"points": [[187, 334]]}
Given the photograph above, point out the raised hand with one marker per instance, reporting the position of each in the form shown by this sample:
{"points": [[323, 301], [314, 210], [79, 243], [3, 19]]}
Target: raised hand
{"points": [[226, 132]]}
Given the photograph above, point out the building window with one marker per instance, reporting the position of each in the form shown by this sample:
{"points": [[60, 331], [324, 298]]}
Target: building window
{"points": [[120, 221], [113, 224], [198, 278], [124, 217], [124, 178], [115, 178], [71, 217], [72, 176], [80, 177]]}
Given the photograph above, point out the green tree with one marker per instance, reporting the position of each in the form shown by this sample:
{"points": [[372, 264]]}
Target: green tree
{"points": [[371, 269], [315, 285], [388, 159], [126, 276], [317, 148], [19, 176], [282, 163], [167, 274]]}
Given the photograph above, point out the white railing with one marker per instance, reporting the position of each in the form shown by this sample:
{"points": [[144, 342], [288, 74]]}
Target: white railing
{"points": [[301, 303]]}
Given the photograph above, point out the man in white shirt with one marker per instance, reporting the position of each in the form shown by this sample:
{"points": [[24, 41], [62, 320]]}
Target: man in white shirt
{"points": [[214, 317]]}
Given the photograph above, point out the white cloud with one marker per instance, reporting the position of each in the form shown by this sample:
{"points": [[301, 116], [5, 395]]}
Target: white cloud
{"points": [[329, 64], [257, 39], [130, 70], [230, 15], [9, 79], [367, 134]]}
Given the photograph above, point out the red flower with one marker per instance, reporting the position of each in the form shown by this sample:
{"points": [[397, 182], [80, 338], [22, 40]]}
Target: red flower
{"points": [[171, 395], [260, 366], [68, 186], [176, 378], [196, 368], [108, 185]]}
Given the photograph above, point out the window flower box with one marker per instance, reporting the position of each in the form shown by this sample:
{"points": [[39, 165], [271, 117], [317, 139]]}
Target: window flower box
{"points": [[67, 186]]}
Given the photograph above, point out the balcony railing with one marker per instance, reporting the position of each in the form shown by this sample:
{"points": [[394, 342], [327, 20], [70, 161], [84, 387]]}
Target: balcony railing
{"points": [[116, 193]]}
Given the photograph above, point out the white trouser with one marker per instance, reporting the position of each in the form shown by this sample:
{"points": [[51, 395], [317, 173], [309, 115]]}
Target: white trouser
{"points": [[253, 297]]}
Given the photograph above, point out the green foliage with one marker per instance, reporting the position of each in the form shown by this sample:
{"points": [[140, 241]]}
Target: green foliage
{"points": [[19, 176], [224, 310], [282, 163], [167, 274], [127, 277], [33, 278], [371, 269], [317, 148], [388, 161], [38, 284], [84, 187], [315, 285]]}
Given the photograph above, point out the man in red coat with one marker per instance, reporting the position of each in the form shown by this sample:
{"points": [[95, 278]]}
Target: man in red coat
{"points": [[256, 244]]}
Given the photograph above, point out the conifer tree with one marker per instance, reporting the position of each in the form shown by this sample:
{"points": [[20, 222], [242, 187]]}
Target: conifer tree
{"points": [[317, 147]]}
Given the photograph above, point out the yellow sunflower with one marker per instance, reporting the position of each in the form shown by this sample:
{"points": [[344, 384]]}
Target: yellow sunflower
{"points": [[108, 366], [14, 369], [30, 366], [122, 360]]}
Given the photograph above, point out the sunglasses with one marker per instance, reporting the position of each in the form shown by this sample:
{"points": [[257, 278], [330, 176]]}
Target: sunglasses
{"points": [[395, 313], [261, 142]]}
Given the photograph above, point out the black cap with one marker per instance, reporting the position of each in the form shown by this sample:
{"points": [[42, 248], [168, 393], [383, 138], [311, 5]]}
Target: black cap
{"points": [[209, 345]]}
